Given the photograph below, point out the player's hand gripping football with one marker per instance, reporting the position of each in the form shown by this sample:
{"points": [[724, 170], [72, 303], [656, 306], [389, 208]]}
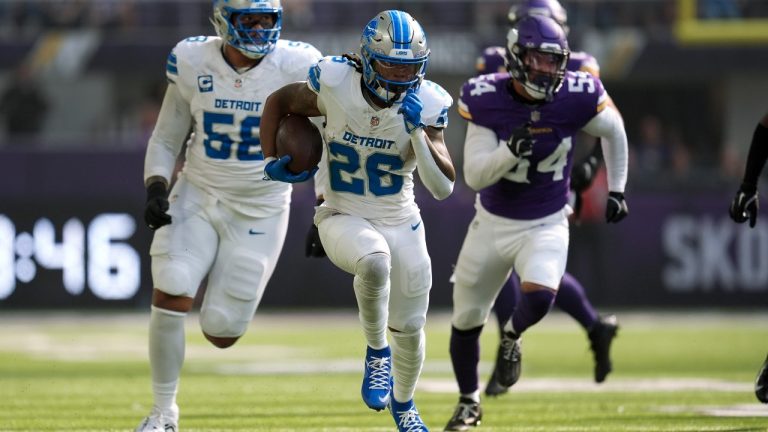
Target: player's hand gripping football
{"points": [[616, 208], [411, 111], [521, 141], [155, 211], [745, 205], [277, 169]]}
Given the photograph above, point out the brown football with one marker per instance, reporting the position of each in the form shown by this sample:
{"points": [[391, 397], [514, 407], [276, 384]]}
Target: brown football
{"points": [[298, 137]]}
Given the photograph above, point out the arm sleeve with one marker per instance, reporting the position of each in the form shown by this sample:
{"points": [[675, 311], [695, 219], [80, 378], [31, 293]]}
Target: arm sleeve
{"points": [[435, 181], [609, 126], [758, 153], [485, 161], [166, 141]]}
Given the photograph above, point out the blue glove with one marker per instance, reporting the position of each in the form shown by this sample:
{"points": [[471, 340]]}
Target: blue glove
{"points": [[411, 111], [277, 169]]}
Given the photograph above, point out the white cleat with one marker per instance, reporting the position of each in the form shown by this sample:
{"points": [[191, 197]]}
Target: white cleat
{"points": [[158, 421]]}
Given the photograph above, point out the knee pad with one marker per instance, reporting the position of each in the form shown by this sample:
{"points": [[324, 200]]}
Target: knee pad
{"points": [[231, 300], [411, 325], [374, 269], [172, 277]]}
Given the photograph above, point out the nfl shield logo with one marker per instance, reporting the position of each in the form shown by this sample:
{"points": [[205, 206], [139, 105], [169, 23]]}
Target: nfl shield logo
{"points": [[535, 116], [238, 83], [374, 121]]}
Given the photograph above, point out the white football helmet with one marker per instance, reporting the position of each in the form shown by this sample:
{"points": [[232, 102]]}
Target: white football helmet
{"points": [[254, 43], [392, 39]]}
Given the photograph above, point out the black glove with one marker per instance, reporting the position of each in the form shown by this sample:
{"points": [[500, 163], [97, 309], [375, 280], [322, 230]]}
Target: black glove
{"points": [[745, 205], [313, 247], [616, 208], [521, 141], [155, 211]]}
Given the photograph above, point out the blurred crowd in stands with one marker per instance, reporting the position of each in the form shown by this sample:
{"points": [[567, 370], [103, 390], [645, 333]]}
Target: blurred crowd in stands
{"points": [[659, 148], [23, 16]]}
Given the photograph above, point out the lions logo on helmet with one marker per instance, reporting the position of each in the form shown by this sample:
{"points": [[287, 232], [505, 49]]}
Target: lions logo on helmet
{"points": [[253, 42], [393, 39], [535, 42]]}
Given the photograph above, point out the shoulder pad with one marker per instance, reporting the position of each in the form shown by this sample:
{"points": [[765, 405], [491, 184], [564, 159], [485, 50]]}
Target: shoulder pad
{"points": [[330, 71], [296, 55], [436, 102], [188, 52], [479, 92], [582, 61]]}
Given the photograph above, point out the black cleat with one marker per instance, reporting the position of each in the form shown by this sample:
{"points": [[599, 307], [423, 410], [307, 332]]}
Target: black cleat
{"points": [[467, 416], [600, 339], [508, 360], [493, 388], [761, 383]]}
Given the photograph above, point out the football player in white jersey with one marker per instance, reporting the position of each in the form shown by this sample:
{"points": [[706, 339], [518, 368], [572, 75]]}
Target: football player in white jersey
{"points": [[222, 220], [382, 121]]}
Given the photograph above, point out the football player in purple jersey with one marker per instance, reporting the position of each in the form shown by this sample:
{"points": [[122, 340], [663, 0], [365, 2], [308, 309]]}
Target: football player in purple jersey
{"points": [[571, 296], [744, 207], [518, 155]]}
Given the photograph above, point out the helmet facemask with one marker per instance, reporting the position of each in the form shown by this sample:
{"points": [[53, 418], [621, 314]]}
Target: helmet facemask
{"points": [[248, 28], [394, 53]]}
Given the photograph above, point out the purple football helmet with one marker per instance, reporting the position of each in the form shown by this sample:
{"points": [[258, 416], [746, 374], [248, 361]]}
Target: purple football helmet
{"points": [[548, 8], [491, 61], [537, 55]]}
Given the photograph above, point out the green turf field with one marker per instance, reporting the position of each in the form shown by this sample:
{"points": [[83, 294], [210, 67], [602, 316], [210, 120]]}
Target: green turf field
{"points": [[301, 372]]}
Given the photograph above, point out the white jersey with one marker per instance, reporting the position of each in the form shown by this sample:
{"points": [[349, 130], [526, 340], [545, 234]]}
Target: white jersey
{"points": [[225, 157], [368, 153]]}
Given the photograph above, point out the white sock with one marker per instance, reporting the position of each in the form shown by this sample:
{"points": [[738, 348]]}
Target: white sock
{"points": [[407, 361], [166, 356], [475, 395]]}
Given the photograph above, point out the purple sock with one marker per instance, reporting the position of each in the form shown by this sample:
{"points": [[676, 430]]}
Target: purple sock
{"points": [[465, 355], [532, 308], [572, 299], [507, 300]]}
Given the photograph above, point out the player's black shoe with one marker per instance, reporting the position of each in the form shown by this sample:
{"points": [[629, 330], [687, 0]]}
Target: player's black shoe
{"points": [[600, 339], [761, 383], [493, 388], [508, 360], [466, 416]]}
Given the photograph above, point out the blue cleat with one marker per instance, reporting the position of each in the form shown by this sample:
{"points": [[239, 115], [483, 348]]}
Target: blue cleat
{"points": [[377, 380], [407, 416]]}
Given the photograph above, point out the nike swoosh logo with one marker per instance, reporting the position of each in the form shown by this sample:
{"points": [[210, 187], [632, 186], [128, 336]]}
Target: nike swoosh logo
{"points": [[415, 227], [252, 232]]}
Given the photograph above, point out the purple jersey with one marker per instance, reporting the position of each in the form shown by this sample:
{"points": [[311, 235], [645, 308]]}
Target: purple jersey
{"points": [[537, 185], [581, 61], [491, 61]]}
